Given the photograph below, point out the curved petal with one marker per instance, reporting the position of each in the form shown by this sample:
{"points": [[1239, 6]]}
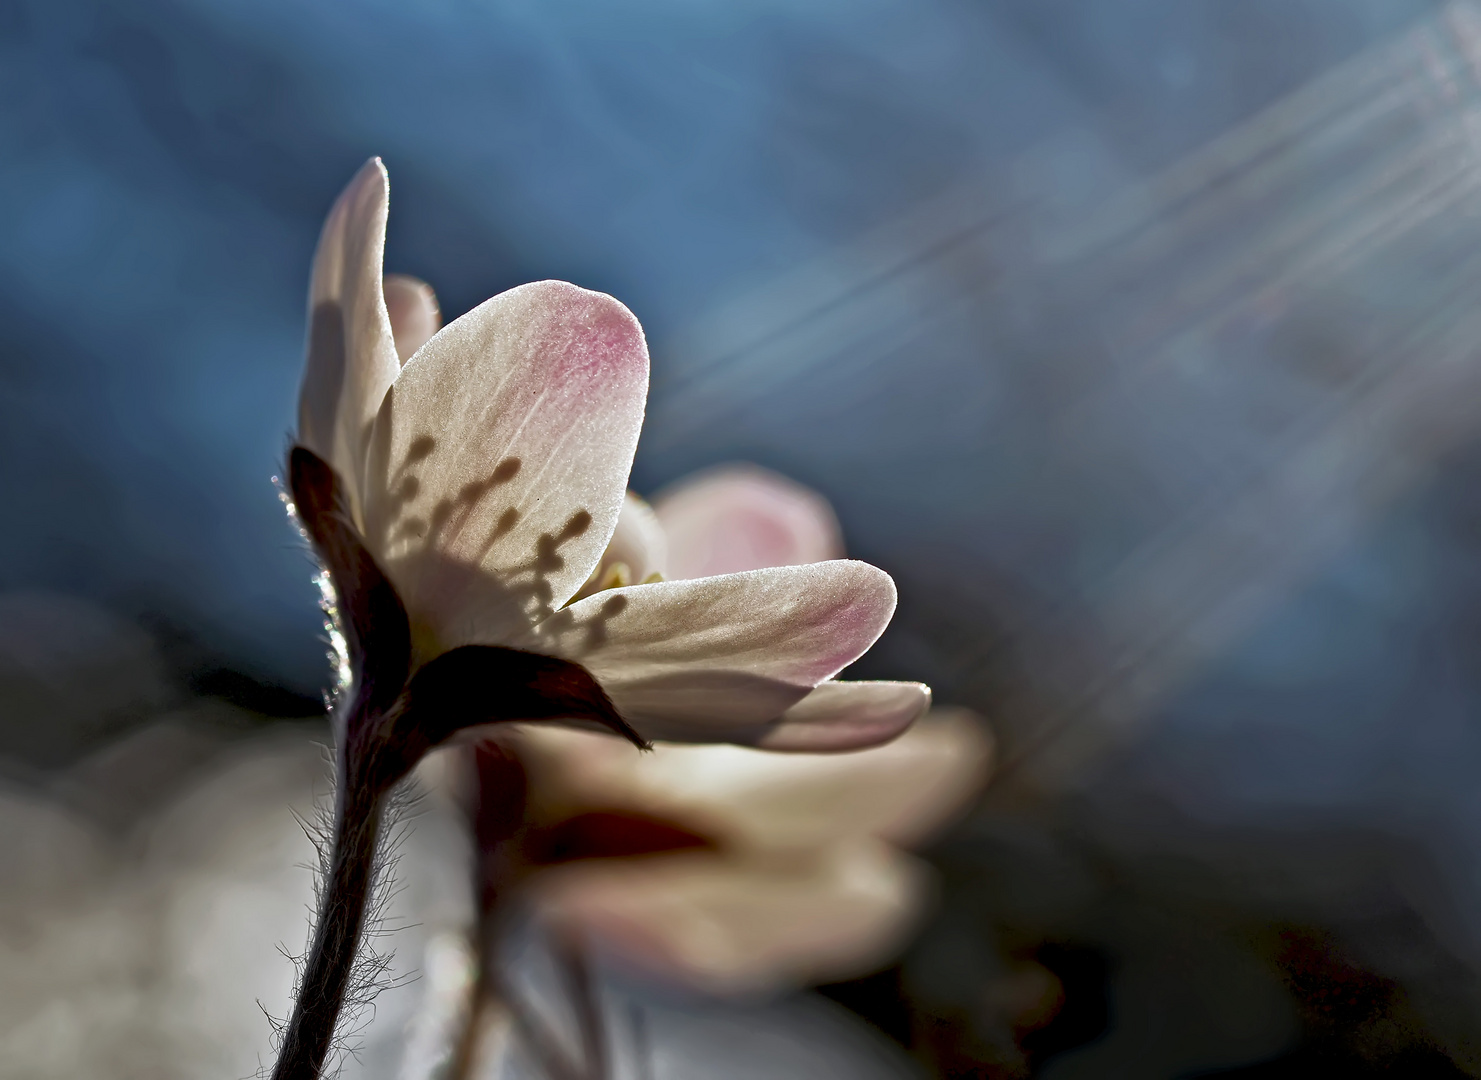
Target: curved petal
{"points": [[743, 517], [415, 314], [500, 460], [753, 800], [351, 353], [848, 716], [638, 550], [738, 927], [721, 658]]}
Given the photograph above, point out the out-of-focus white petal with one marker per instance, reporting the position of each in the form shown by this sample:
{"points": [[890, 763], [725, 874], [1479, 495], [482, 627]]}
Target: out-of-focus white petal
{"points": [[754, 800], [415, 315], [848, 716], [637, 550], [902, 791], [743, 517], [728, 926], [449, 978], [500, 460], [722, 657], [351, 353]]}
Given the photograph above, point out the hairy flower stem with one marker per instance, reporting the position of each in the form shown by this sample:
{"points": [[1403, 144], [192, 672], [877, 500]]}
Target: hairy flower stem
{"points": [[336, 942]]}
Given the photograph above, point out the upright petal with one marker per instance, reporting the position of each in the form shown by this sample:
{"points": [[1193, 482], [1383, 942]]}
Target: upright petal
{"points": [[743, 517], [500, 460], [722, 657], [415, 314], [351, 354]]}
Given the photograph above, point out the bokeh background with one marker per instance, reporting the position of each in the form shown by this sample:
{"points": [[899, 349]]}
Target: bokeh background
{"points": [[1137, 339]]}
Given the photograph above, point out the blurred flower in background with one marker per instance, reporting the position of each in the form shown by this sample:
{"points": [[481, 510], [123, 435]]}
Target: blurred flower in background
{"points": [[776, 871]]}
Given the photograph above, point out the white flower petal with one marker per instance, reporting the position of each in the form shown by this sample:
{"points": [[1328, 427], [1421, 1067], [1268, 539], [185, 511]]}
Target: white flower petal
{"points": [[722, 657], [415, 314], [637, 544], [351, 353], [739, 927], [743, 517], [902, 791], [754, 800], [848, 716], [500, 460]]}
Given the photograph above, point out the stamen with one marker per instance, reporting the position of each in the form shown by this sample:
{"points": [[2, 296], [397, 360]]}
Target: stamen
{"points": [[617, 576]]}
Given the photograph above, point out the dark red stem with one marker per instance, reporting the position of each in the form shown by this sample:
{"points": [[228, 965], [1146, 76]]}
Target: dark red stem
{"points": [[330, 963]]}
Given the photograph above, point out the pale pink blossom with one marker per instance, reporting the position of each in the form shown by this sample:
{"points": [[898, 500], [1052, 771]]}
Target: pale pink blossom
{"points": [[487, 478]]}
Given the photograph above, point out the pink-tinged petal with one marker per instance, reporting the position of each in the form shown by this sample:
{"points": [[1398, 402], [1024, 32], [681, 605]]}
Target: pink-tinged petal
{"points": [[739, 927], [415, 314], [500, 461], [351, 354], [637, 550], [848, 716], [721, 658], [752, 800], [743, 517]]}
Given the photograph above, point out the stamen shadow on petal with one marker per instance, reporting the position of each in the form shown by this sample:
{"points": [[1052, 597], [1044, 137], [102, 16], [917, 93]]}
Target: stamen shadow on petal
{"points": [[451, 514], [596, 629], [489, 605], [450, 517], [576, 526], [444, 571], [403, 486], [561, 623], [506, 523]]}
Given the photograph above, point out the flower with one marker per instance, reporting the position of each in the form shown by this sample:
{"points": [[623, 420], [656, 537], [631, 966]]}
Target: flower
{"points": [[728, 868], [480, 484], [745, 871], [460, 485]]}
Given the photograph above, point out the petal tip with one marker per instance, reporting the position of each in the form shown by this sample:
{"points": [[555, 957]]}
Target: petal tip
{"points": [[601, 332], [371, 179], [883, 582], [374, 164], [873, 599]]}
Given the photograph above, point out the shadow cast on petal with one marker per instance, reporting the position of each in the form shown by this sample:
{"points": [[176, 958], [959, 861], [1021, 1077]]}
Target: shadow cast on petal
{"points": [[707, 705]]}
